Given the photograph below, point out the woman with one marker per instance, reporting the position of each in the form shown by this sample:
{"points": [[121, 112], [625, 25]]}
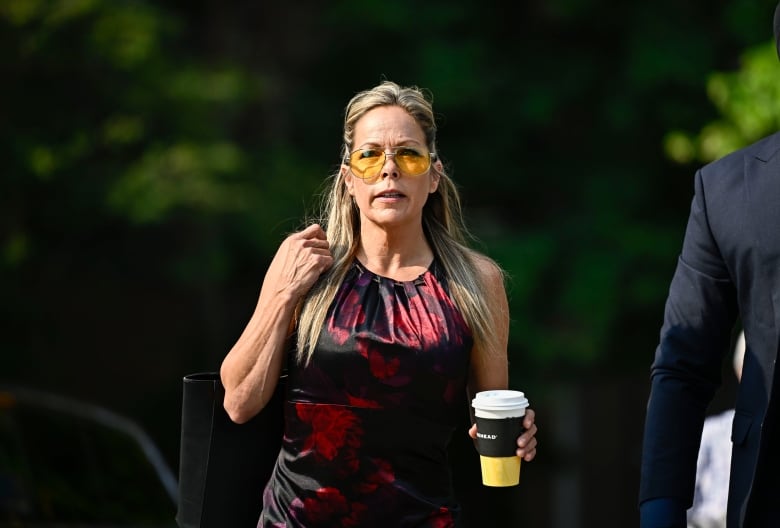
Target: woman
{"points": [[393, 321]]}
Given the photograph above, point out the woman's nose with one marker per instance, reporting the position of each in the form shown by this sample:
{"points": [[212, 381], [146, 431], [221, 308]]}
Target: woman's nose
{"points": [[390, 169]]}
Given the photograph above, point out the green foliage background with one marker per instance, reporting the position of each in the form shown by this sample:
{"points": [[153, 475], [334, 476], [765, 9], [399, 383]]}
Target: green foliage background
{"points": [[155, 153]]}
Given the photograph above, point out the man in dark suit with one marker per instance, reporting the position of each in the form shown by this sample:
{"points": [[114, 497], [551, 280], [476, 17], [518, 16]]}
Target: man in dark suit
{"points": [[729, 268]]}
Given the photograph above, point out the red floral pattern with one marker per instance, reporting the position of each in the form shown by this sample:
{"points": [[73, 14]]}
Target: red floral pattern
{"points": [[369, 418], [382, 474], [326, 504], [362, 402], [332, 427], [381, 367]]}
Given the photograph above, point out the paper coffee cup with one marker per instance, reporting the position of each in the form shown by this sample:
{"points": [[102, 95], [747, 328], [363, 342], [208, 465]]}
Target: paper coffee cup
{"points": [[499, 415]]}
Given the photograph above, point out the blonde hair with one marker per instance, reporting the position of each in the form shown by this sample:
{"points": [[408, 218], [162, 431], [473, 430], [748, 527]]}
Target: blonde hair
{"points": [[442, 224]]}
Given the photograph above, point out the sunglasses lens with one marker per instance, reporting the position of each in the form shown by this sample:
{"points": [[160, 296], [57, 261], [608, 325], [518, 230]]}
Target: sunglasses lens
{"points": [[412, 162], [366, 163]]}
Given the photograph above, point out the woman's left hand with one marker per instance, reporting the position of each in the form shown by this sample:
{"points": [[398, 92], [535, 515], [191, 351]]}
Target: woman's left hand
{"points": [[526, 442]]}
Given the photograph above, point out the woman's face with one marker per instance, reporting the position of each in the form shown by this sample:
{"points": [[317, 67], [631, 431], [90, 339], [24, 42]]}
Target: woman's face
{"points": [[390, 198]]}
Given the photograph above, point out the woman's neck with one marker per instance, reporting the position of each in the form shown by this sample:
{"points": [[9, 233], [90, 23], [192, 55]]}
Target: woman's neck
{"points": [[397, 254]]}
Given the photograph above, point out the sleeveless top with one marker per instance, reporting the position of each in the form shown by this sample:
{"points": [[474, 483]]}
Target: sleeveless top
{"points": [[369, 419]]}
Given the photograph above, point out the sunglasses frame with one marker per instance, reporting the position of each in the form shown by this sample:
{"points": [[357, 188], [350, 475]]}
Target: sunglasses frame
{"points": [[348, 161]]}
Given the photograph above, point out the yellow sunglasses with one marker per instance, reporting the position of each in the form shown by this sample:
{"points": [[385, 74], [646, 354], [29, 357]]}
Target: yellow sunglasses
{"points": [[366, 163]]}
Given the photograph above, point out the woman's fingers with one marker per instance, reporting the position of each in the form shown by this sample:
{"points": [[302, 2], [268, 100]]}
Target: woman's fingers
{"points": [[526, 442], [473, 431], [299, 261]]}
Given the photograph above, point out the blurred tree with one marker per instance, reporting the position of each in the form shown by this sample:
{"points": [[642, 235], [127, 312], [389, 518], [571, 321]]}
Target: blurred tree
{"points": [[748, 102], [156, 152], [139, 178], [125, 151]]}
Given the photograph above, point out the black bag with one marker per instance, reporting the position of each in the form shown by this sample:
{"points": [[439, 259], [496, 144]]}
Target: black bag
{"points": [[224, 466]]}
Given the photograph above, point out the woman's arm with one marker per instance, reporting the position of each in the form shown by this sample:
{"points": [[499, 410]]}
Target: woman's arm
{"points": [[489, 364], [251, 369], [490, 367]]}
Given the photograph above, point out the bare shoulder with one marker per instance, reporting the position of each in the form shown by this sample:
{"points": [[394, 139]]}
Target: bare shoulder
{"points": [[490, 273]]}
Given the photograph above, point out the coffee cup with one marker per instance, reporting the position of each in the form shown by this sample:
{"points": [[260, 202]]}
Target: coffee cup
{"points": [[499, 416]]}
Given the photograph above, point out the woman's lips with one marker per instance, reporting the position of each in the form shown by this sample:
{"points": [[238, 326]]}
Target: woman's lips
{"points": [[391, 195]]}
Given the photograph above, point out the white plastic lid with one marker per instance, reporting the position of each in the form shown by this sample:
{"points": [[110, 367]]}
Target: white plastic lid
{"points": [[499, 400]]}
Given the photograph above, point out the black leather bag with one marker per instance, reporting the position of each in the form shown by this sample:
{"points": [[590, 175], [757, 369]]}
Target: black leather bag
{"points": [[224, 466]]}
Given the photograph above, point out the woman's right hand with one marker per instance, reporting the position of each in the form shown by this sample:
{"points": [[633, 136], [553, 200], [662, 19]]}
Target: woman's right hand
{"points": [[300, 260], [250, 370]]}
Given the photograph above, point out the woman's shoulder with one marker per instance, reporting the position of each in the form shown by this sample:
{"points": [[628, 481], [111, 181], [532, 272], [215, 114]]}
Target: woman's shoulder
{"points": [[487, 269]]}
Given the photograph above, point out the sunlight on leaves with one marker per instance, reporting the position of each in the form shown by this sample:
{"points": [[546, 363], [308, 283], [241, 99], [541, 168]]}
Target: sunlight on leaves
{"points": [[128, 35], [215, 86], [181, 175], [123, 129], [42, 161], [64, 11], [21, 12], [748, 100], [15, 249], [680, 147]]}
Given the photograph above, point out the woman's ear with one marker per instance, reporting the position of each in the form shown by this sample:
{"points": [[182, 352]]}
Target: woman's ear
{"points": [[349, 182], [436, 175]]}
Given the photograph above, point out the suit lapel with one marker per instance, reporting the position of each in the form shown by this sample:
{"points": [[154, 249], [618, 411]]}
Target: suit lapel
{"points": [[762, 182]]}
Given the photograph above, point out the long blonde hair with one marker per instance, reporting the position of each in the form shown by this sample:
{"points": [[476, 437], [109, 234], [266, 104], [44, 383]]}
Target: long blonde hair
{"points": [[442, 224]]}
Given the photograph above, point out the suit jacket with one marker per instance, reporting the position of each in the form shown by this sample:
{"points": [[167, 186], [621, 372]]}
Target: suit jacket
{"points": [[729, 267]]}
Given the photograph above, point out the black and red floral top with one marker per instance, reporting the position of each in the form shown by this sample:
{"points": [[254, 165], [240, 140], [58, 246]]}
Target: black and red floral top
{"points": [[368, 420]]}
